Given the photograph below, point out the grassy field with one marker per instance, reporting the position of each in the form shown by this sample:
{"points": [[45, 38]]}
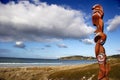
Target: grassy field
{"points": [[75, 72], [89, 72]]}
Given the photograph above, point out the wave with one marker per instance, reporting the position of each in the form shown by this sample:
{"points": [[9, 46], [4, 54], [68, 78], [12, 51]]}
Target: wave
{"points": [[44, 63], [30, 63]]}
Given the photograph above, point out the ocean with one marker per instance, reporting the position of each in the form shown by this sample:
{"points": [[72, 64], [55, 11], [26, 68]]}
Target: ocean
{"points": [[29, 62]]}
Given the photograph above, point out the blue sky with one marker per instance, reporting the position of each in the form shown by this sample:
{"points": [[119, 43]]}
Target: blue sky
{"points": [[55, 28]]}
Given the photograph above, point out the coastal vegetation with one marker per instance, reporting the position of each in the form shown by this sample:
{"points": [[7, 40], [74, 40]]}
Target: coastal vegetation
{"points": [[73, 72], [79, 57], [89, 72]]}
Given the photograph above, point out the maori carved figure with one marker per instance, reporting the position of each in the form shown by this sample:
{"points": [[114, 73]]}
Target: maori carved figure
{"points": [[100, 38]]}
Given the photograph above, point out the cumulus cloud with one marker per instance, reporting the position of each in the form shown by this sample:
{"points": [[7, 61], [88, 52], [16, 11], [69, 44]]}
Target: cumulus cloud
{"points": [[19, 44], [113, 23], [87, 41], [26, 21], [62, 46]]}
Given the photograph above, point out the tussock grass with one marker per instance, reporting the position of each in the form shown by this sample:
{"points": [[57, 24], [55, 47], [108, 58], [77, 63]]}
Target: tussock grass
{"points": [[87, 72], [76, 72]]}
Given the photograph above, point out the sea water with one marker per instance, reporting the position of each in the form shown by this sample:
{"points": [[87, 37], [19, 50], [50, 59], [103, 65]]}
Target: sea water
{"points": [[24, 62]]}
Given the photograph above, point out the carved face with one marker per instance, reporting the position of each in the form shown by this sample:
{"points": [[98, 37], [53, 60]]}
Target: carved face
{"points": [[98, 10], [97, 17]]}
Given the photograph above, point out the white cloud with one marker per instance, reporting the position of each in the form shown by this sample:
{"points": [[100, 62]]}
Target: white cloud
{"points": [[26, 21], [19, 44], [113, 23], [62, 46], [87, 41]]}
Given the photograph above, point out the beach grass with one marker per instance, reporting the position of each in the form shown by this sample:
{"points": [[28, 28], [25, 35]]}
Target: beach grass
{"points": [[89, 72], [74, 72]]}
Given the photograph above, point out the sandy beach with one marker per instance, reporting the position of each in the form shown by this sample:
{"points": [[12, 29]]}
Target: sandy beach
{"points": [[33, 73]]}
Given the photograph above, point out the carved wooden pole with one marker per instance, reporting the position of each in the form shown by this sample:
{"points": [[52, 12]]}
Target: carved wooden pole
{"points": [[100, 38]]}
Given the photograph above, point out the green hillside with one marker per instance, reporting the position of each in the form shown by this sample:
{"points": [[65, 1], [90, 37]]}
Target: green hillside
{"points": [[77, 58]]}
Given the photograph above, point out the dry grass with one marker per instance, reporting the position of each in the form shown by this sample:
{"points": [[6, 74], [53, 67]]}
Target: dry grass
{"points": [[32, 73], [24, 73], [87, 72], [76, 72]]}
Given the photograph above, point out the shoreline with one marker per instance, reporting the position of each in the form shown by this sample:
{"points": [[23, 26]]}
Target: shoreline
{"points": [[63, 72], [41, 66]]}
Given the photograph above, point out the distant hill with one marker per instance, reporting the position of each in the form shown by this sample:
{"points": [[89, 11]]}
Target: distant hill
{"points": [[77, 58], [114, 56]]}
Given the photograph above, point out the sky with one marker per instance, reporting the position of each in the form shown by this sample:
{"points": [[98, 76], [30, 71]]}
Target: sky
{"points": [[55, 28]]}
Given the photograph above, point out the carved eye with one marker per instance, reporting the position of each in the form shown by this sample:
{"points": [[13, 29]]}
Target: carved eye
{"points": [[93, 8]]}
